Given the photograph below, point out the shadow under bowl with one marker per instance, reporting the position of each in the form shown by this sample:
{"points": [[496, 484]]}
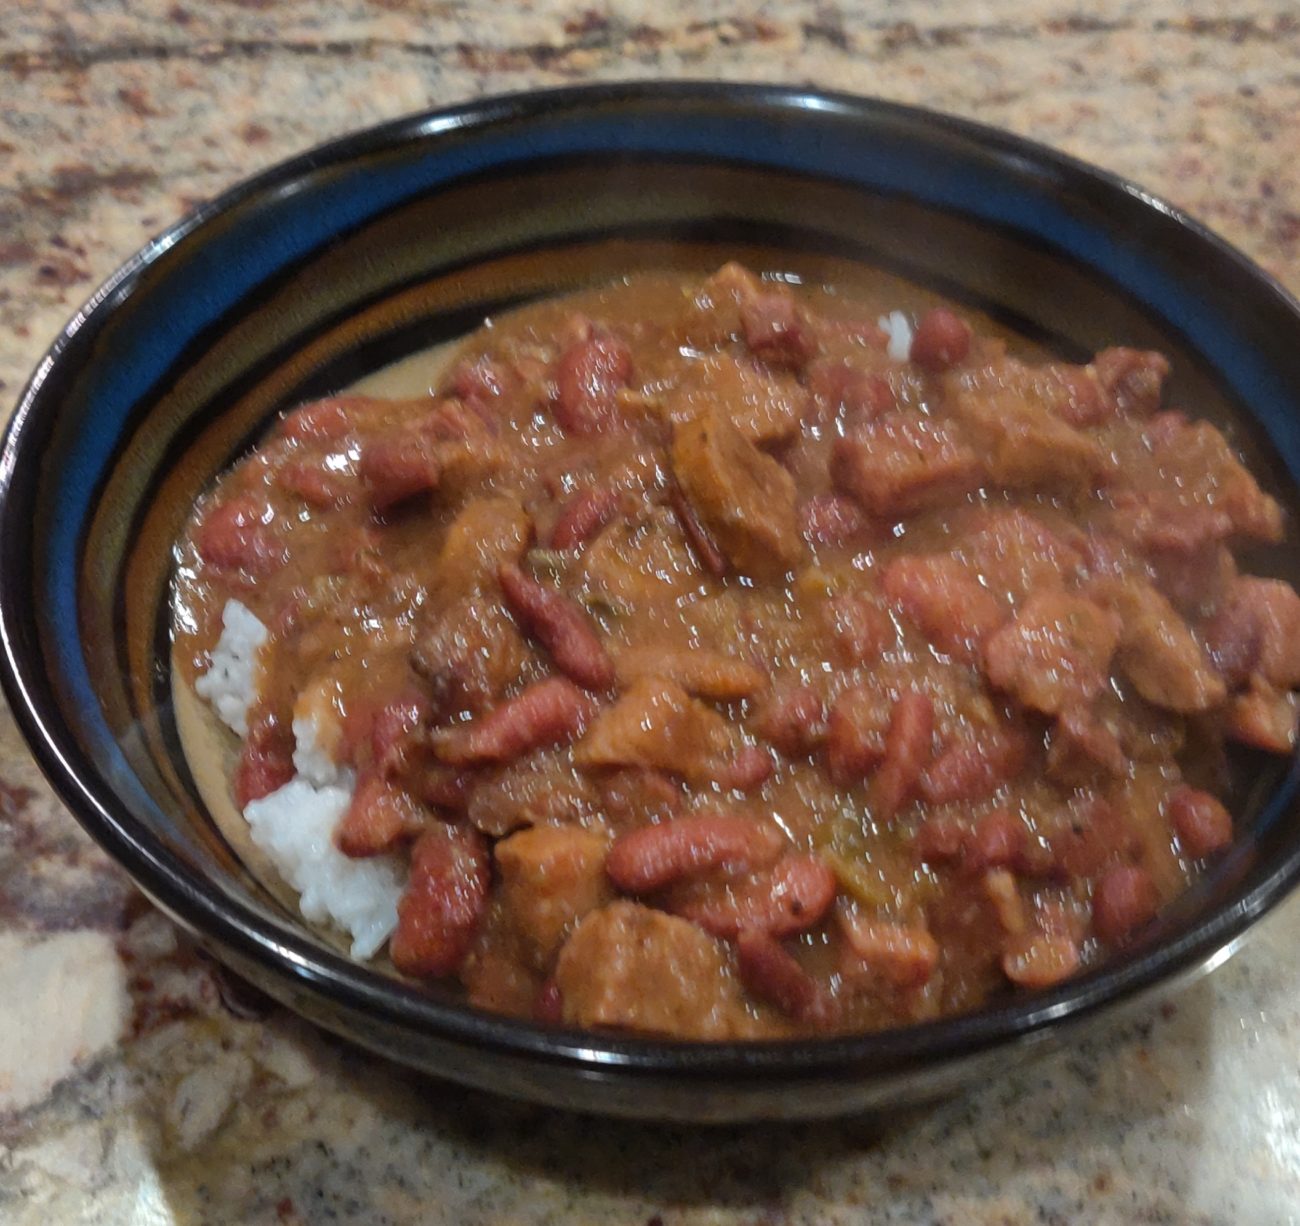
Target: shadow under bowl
{"points": [[333, 264]]}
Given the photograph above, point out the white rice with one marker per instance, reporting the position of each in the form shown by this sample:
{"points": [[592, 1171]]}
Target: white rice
{"points": [[313, 760], [294, 826], [899, 328], [231, 683]]}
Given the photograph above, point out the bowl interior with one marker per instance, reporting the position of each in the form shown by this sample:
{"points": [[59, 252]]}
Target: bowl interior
{"points": [[328, 269]]}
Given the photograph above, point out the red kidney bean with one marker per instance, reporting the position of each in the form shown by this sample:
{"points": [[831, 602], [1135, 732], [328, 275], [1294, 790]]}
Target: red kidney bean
{"points": [[445, 900], [265, 760], [939, 840], [314, 485], [583, 515], [1201, 822], [941, 340], [548, 712], [397, 466], [392, 726], [831, 519], [974, 768], [238, 535], [855, 734], [998, 841], [751, 767], [907, 751], [588, 376], [1123, 899], [560, 626], [481, 379], [652, 857], [380, 816], [793, 897], [1040, 959], [548, 1006], [901, 954], [793, 721], [773, 975]]}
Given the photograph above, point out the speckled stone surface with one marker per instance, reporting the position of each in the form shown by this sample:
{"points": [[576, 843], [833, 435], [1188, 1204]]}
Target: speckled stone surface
{"points": [[140, 1085]]}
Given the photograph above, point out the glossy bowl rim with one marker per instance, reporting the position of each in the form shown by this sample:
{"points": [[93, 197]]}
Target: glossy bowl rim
{"points": [[228, 924]]}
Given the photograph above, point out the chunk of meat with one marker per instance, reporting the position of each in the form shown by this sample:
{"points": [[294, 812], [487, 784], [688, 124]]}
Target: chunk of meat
{"points": [[703, 546], [1056, 652], [903, 955], [1016, 553], [486, 534], [653, 857], [941, 340], [634, 795], [837, 385], [1085, 834], [658, 724], [589, 374], [1201, 822], [379, 816], [1157, 651], [897, 465], [1022, 445], [1198, 463], [1123, 899], [585, 514], [560, 626], [707, 674], [239, 534], [774, 328], [830, 519], [773, 975], [1258, 630], [1263, 717], [766, 406], [445, 900], [627, 967], [1083, 749], [547, 712], [907, 753], [531, 791], [793, 721], [470, 653], [1133, 379], [745, 499], [975, 767], [640, 562], [861, 627], [856, 730], [944, 601], [792, 897], [396, 466], [551, 876]]}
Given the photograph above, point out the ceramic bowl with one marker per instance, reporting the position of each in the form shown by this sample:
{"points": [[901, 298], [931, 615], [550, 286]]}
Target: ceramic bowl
{"points": [[332, 264]]}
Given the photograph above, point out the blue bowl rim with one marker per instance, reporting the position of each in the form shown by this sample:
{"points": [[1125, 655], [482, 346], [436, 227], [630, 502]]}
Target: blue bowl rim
{"points": [[244, 933]]}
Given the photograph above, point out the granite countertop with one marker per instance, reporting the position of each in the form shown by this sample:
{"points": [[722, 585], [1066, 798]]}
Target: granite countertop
{"points": [[140, 1084]]}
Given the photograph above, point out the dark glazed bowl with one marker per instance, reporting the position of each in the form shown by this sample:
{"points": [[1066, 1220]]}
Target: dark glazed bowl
{"points": [[352, 255]]}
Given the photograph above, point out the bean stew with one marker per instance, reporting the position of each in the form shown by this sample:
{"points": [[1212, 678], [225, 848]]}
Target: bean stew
{"points": [[721, 660]]}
